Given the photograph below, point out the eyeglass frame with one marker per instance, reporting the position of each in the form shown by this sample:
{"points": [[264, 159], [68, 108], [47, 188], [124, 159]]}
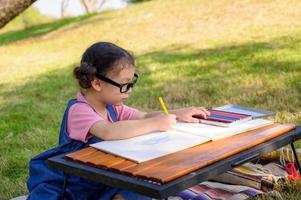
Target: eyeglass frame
{"points": [[107, 80]]}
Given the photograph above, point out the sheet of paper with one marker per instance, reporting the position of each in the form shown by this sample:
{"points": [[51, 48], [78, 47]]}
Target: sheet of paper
{"points": [[150, 146], [216, 133], [182, 136]]}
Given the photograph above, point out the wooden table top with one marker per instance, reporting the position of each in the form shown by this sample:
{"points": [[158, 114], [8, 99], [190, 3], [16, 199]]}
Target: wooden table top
{"points": [[172, 166]]}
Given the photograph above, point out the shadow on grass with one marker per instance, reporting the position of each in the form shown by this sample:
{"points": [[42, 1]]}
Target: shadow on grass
{"points": [[41, 29], [251, 74]]}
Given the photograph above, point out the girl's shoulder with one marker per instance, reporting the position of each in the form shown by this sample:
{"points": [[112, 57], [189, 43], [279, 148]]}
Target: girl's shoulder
{"points": [[81, 106]]}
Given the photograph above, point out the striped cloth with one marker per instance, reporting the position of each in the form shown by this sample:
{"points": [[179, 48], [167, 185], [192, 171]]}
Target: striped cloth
{"points": [[209, 190], [257, 176], [243, 182]]}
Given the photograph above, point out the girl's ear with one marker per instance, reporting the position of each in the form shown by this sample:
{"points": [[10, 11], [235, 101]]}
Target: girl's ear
{"points": [[97, 85]]}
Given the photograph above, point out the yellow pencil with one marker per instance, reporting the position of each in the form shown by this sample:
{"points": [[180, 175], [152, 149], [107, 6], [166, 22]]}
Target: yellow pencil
{"points": [[163, 105], [166, 112]]}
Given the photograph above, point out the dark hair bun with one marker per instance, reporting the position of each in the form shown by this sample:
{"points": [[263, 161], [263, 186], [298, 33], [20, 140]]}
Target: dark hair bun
{"points": [[84, 74]]}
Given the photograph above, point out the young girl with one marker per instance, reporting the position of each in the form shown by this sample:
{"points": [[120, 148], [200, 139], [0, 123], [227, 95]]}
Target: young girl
{"points": [[106, 76]]}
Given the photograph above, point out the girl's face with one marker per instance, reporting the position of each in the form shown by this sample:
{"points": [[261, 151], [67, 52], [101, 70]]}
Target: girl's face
{"points": [[110, 94]]}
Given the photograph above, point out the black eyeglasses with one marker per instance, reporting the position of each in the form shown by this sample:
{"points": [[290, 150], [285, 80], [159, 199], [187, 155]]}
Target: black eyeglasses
{"points": [[123, 87]]}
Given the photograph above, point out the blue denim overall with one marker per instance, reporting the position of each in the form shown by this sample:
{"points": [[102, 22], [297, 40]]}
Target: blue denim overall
{"points": [[47, 184]]}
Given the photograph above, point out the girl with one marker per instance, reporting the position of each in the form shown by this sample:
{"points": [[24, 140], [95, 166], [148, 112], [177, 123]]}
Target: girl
{"points": [[106, 77]]}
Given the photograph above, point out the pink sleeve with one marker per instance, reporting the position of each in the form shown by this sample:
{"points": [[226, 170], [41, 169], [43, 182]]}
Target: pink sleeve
{"points": [[126, 113], [80, 119]]}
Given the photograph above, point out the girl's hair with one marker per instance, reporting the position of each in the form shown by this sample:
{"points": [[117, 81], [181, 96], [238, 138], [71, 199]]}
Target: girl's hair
{"points": [[101, 58]]}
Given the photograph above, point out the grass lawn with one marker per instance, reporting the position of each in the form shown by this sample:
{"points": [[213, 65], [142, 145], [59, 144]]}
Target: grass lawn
{"points": [[194, 52]]}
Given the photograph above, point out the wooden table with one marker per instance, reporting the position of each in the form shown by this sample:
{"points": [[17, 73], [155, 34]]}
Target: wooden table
{"points": [[167, 175]]}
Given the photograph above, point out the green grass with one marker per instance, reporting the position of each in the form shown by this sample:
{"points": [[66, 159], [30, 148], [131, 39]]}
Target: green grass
{"points": [[192, 52], [41, 29]]}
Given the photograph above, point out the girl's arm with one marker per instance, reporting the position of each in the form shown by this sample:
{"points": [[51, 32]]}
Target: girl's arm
{"points": [[131, 128], [183, 114]]}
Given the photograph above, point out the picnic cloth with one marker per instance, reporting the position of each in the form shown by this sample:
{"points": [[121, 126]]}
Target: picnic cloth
{"points": [[261, 177], [242, 182], [209, 190]]}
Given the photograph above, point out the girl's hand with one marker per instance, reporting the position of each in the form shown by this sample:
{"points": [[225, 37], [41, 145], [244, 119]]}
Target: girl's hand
{"points": [[185, 114], [164, 122]]}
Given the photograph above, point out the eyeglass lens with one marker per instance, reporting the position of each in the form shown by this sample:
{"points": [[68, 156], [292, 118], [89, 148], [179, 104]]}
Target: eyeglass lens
{"points": [[126, 87]]}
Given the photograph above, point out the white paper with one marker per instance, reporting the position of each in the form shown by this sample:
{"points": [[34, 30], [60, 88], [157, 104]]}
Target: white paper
{"points": [[182, 136], [216, 133], [150, 146]]}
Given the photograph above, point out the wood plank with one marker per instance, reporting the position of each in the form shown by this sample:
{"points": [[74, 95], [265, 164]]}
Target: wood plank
{"points": [[107, 161], [90, 156], [123, 165], [138, 169], [96, 158], [81, 153], [114, 161], [208, 153]]}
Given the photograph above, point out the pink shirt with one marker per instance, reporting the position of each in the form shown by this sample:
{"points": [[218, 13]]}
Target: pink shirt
{"points": [[81, 117]]}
